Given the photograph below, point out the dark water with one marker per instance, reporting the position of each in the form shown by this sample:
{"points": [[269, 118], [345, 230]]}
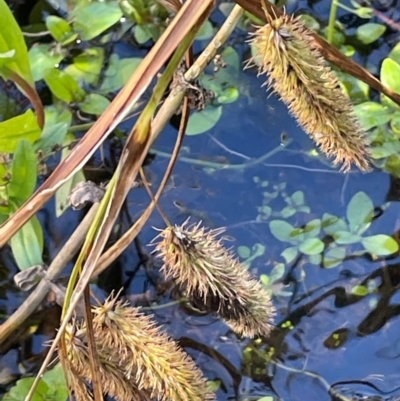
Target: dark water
{"points": [[329, 344]]}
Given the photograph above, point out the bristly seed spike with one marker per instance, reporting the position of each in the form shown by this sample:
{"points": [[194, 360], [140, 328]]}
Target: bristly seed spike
{"points": [[297, 72]]}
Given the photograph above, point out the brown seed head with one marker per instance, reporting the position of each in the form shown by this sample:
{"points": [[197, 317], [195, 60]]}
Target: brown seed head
{"points": [[214, 279], [297, 72]]}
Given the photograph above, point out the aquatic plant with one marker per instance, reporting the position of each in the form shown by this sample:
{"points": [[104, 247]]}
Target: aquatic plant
{"points": [[137, 360], [213, 279], [297, 72]]}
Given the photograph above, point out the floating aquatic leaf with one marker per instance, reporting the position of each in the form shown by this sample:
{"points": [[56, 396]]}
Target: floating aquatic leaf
{"points": [[370, 32], [334, 256], [204, 120], [311, 246], [360, 212], [380, 245]]}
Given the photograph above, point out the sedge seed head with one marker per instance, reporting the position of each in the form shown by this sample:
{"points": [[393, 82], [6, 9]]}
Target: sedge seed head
{"points": [[297, 72], [138, 362], [213, 279]]}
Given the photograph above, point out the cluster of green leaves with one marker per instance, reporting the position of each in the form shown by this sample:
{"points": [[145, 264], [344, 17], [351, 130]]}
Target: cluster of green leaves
{"points": [[337, 235], [52, 387], [383, 118], [380, 118], [73, 71]]}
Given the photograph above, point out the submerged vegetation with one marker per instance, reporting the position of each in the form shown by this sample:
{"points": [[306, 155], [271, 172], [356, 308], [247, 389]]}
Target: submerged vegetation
{"points": [[75, 84]]}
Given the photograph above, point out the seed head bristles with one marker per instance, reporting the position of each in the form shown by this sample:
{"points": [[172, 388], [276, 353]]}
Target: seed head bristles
{"points": [[213, 279], [297, 72], [138, 361]]}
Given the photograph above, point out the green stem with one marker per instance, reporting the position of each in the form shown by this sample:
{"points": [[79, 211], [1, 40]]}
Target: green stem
{"points": [[332, 20]]}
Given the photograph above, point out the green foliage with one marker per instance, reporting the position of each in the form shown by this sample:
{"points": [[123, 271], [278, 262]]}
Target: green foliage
{"points": [[383, 119], [224, 85], [17, 128], [51, 387], [306, 240], [13, 50], [370, 32], [96, 18]]}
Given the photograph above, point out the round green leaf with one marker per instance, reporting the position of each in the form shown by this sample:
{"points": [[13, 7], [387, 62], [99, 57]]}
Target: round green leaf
{"points": [[244, 251], [360, 212], [370, 32], [311, 246], [290, 254], [206, 31], [360, 290], [380, 245], [281, 230], [203, 121], [94, 104], [334, 256]]}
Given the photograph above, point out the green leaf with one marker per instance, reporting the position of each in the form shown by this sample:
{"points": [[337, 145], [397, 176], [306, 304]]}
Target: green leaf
{"points": [[395, 53], [228, 95], [290, 254], [371, 114], [206, 31], [27, 244], [311, 246], [97, 17], [390, 72], [312, 228], [60, 30], [141, 34], [264, 279], [52, 135], [12, 40], [266, 398], [356, 89], [282, 230], [370, 32], [23, 172], [94, 104], [334, 256], [360, 290], [277, 272], [380, 245], [42, 57], [244, 251], [346, 237], [13, 130], [360, 212], [63, 86], [203, 121], [395, 123], [51, 386], [87, 66], [118, 72], [62, 193]]}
